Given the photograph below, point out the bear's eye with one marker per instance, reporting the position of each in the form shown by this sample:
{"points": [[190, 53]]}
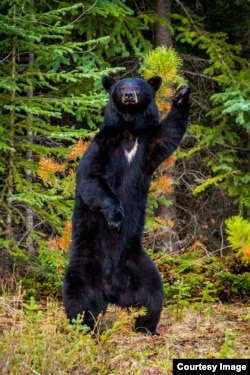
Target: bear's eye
{"points": [[125, 89]]}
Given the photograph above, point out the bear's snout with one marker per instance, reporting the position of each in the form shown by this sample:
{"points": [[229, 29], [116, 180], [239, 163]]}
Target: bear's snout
{"points": [[129, 97]]}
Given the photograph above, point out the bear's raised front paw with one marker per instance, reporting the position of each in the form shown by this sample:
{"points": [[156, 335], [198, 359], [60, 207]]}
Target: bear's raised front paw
{"points": [[182, 95]]}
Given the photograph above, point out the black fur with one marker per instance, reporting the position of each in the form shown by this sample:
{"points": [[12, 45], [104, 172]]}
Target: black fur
{"points": [[108, 262]]}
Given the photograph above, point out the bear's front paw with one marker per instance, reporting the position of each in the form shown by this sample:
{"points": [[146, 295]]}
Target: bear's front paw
{"points": [[115, 218], [181, 96], [114, 215]]}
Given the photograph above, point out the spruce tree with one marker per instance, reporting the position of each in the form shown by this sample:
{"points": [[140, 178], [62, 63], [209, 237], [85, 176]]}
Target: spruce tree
{"points": [[41, 68]]}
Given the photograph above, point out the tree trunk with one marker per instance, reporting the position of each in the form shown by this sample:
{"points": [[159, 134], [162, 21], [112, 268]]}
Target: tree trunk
{"points": [[5, 257], [163, 35], [29, 177], [169, 240]]}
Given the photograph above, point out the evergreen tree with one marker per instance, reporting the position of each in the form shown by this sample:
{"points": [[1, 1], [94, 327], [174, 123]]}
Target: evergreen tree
{"points": [[227, 133], [41, 68], [217, 169]]}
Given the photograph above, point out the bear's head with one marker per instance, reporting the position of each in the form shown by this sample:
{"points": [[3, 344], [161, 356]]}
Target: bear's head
{"points": [[131, 94], [132, 100]]}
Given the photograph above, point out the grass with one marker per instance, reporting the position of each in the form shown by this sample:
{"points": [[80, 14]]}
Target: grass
{"points": [[35, 338]]}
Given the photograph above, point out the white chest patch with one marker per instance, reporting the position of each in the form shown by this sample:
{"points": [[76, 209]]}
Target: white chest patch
{"points": [[131, 154]]}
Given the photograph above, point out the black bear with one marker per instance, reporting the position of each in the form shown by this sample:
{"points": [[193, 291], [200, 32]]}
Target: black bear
{"points": [[108, 262]]}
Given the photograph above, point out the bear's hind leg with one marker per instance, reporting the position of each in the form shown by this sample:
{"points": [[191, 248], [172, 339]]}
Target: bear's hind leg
{"points": [[148, 323], [83, 292], [145, 289]]}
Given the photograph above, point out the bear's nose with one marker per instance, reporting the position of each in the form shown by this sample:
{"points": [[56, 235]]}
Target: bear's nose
{"points": [[129, 95]]}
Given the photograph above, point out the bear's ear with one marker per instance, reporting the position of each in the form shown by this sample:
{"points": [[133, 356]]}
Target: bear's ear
{"points": [[155, 82], [108, 82]]}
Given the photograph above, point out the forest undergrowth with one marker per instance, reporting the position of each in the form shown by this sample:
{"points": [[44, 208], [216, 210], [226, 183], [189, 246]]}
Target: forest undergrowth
{"points": [[206, 315], [37, 339]]}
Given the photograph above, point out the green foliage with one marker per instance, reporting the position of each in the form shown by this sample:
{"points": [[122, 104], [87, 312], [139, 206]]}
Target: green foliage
{"points": [[233, 285], [227, 348], [198, 278], [225, 138], [40, 67], [236, 102], [232, 112], [209, 292], [164, 62], [179, 291], [118, 20], [238, 235]]}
